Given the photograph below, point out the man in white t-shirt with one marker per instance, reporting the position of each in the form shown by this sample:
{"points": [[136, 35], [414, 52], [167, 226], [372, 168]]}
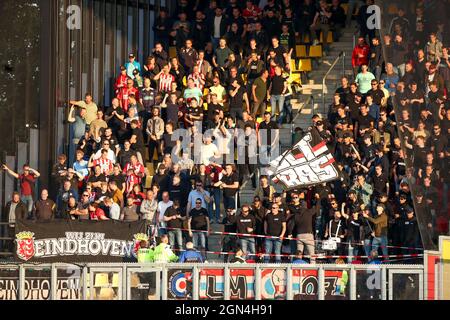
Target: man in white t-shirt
{"points": [[114, 208], [162, 207], [208, 150]]}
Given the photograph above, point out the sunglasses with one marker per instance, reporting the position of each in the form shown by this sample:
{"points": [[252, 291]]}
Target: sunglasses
{"points": [[85, 195], [198, 203]]}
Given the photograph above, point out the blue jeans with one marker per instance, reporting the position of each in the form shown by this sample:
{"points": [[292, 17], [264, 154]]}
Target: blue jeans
{"points": [[274, 244], [28, 200], [199, 239], [215, 213], [247, 244], [276, 100], [175, 235], [380, 242], [286, 112], [215, 42], [367, 246], [229, 202]]}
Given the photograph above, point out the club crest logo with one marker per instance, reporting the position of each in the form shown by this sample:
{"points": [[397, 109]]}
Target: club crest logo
{"points": [[25, 245]]}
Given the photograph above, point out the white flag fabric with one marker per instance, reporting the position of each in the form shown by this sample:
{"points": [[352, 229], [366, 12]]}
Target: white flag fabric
{"points": [[307, 163]]}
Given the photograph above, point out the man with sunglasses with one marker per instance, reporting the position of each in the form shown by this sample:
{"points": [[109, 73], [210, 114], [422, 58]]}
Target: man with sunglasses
{"points": [[200, 193], [275, 226], [375, 92], [27, 181], [302, 225], [198, 225], [246, 224]]}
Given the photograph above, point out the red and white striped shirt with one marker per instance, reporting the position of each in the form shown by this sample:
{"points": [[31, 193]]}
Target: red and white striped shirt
{"points": [[165, 82], [138, 170], [106, 165], [197, 80]]}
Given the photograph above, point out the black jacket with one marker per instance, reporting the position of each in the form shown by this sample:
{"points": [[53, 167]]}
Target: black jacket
{"points": [[21, 211], [302, 221], [376, 56]]}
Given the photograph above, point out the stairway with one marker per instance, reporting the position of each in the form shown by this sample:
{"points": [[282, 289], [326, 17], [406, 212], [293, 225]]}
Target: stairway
{"points": [[307, 110]]}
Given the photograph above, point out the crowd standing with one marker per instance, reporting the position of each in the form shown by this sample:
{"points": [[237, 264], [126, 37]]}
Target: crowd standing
{"points": [[232, 62]]}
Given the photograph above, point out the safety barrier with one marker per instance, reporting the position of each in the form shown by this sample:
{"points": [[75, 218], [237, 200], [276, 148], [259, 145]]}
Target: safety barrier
{"points": [[136, 281]]}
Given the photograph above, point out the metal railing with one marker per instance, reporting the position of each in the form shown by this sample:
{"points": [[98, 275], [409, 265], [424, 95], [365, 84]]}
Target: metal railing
{"points": [[341, 56], [299, 111], [125, 281]]}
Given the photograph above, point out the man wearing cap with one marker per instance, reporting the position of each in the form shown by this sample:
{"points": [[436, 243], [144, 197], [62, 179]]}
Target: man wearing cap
{"points": [[132, 65]]}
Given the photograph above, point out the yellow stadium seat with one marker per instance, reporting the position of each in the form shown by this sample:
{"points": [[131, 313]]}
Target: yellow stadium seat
{"points": [[306, 38], [315, 51], [115, 280], [300, 50], [205, 91], [294, 66], [184, 81], [172, 52], [392, 9], [329, 37], [101, 280], [305, 65], [345, 7], [259, 119], [295, 77]]}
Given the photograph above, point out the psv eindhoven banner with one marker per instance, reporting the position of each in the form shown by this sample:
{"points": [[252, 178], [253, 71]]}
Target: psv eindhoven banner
{"points": [[77, 241], [309, 162]]}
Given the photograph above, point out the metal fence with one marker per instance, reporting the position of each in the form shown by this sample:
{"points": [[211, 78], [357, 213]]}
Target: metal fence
{"points": [[134, 281]]}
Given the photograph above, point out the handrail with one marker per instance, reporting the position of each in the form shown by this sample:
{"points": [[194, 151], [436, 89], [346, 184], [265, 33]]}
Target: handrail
{"points": [[309, 100], [341, 55]]}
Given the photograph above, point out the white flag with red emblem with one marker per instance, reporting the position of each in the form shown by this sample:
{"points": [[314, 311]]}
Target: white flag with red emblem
{"points": [[309, 162]]}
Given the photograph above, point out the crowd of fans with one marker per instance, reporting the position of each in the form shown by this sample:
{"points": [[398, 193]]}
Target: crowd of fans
{"points": [[232, 61]]}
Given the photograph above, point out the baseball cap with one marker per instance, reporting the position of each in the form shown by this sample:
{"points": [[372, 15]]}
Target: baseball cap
{"points": [[403, 196], [131, 55], [409, 210]]}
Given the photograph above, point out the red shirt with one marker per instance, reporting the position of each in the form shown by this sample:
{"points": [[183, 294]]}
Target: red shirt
{"points": [[26, 184], [123, 95], [97, 214], [364, 51]]}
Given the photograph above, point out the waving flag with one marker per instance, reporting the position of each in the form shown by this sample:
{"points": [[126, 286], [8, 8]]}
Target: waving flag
{"points": [[307, 163]]}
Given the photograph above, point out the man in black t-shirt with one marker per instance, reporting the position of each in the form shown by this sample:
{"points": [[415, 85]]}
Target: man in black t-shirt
{"points": [[237, 95], [268, 138], [364, 122], [274, 225], [230, 186], [198, 224], [114, 116], [174, 218], [137, 138], [246, 224]]}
